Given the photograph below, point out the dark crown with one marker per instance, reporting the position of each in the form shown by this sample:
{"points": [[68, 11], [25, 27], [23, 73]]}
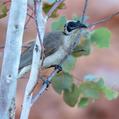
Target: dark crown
{"points": [[72, 25]]}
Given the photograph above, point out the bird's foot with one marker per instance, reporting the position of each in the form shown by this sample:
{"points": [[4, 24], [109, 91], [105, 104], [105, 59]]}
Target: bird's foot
{"points": [[47, 82]]}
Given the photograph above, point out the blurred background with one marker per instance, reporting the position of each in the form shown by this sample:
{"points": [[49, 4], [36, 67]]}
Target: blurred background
{"points": [[101, 62]]}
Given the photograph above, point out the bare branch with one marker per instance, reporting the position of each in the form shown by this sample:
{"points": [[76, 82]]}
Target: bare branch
{"points": [[36, 10], [30, 16], [12, 51], [54, 7], [105, 19], [23, 46], [28, 20], [84, 10]]}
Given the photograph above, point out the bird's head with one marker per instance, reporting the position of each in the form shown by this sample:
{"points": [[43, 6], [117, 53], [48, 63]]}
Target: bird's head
{"points": [[72, 25]]}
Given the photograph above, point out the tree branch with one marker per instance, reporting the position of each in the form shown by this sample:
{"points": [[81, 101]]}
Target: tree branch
{"points": [[12, 51], [23, 46], [105, 19], [54, 7], [40, 26], [84, 10]]}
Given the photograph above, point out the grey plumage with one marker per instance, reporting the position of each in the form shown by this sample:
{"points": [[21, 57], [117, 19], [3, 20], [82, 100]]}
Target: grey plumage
{"points": [[52, 42]]}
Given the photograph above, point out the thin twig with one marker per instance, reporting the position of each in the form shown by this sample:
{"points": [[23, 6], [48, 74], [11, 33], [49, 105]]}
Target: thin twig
{"points": [[30, 16], [105, 19], [84, 11], [54, 7], [23, 46]]}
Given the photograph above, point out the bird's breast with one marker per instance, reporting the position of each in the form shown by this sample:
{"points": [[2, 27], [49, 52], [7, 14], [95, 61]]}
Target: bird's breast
{"points": [[55, 58]]}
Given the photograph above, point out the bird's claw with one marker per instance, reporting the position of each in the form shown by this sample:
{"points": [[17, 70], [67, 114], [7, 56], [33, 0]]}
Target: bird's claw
{"points": [[47, 83], [58, 67]]}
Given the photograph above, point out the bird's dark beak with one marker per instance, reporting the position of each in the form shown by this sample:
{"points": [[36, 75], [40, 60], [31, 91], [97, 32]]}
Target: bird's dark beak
{"points": [[80, 25]]}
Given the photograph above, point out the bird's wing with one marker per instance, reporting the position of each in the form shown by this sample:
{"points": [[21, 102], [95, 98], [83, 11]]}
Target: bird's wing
{"points": [[52, 42], [26, 56]]}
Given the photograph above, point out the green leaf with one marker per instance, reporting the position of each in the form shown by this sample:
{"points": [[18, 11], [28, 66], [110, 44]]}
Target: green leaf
{"points": [[93, 90], [59, 24], [69, 64], [101, 37], [84, 102], [62, 81], [3, 11], [83, 48], [90, 89], [110, 94], [71, 96], [100, 83]]}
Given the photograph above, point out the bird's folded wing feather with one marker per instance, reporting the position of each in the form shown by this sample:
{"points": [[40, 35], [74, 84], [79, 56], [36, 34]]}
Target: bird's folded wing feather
{"points": [[52, 42]]}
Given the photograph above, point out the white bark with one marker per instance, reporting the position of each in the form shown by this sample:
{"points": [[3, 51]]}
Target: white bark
{"points": [[27, 102], [32, 82], [12, 51]]}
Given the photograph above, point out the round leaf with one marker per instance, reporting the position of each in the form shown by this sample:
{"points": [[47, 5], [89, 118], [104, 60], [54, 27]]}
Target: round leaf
{"points": [[69, 64], [71, 96], [59, 24], [101, 37], [62, 81], [84, 102]]}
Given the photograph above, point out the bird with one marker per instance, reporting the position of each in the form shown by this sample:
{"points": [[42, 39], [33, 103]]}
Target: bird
{"points": [[55, 45]]}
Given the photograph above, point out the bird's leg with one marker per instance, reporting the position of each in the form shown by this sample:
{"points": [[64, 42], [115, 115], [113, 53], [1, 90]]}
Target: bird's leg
{"points": [[56, 67], [47, 82]]}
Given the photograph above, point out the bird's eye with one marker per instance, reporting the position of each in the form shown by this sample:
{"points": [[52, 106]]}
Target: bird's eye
{"points": [[71, 26]]}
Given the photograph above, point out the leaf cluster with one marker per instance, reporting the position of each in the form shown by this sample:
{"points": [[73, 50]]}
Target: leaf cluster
{"points": [[83, 94]]}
